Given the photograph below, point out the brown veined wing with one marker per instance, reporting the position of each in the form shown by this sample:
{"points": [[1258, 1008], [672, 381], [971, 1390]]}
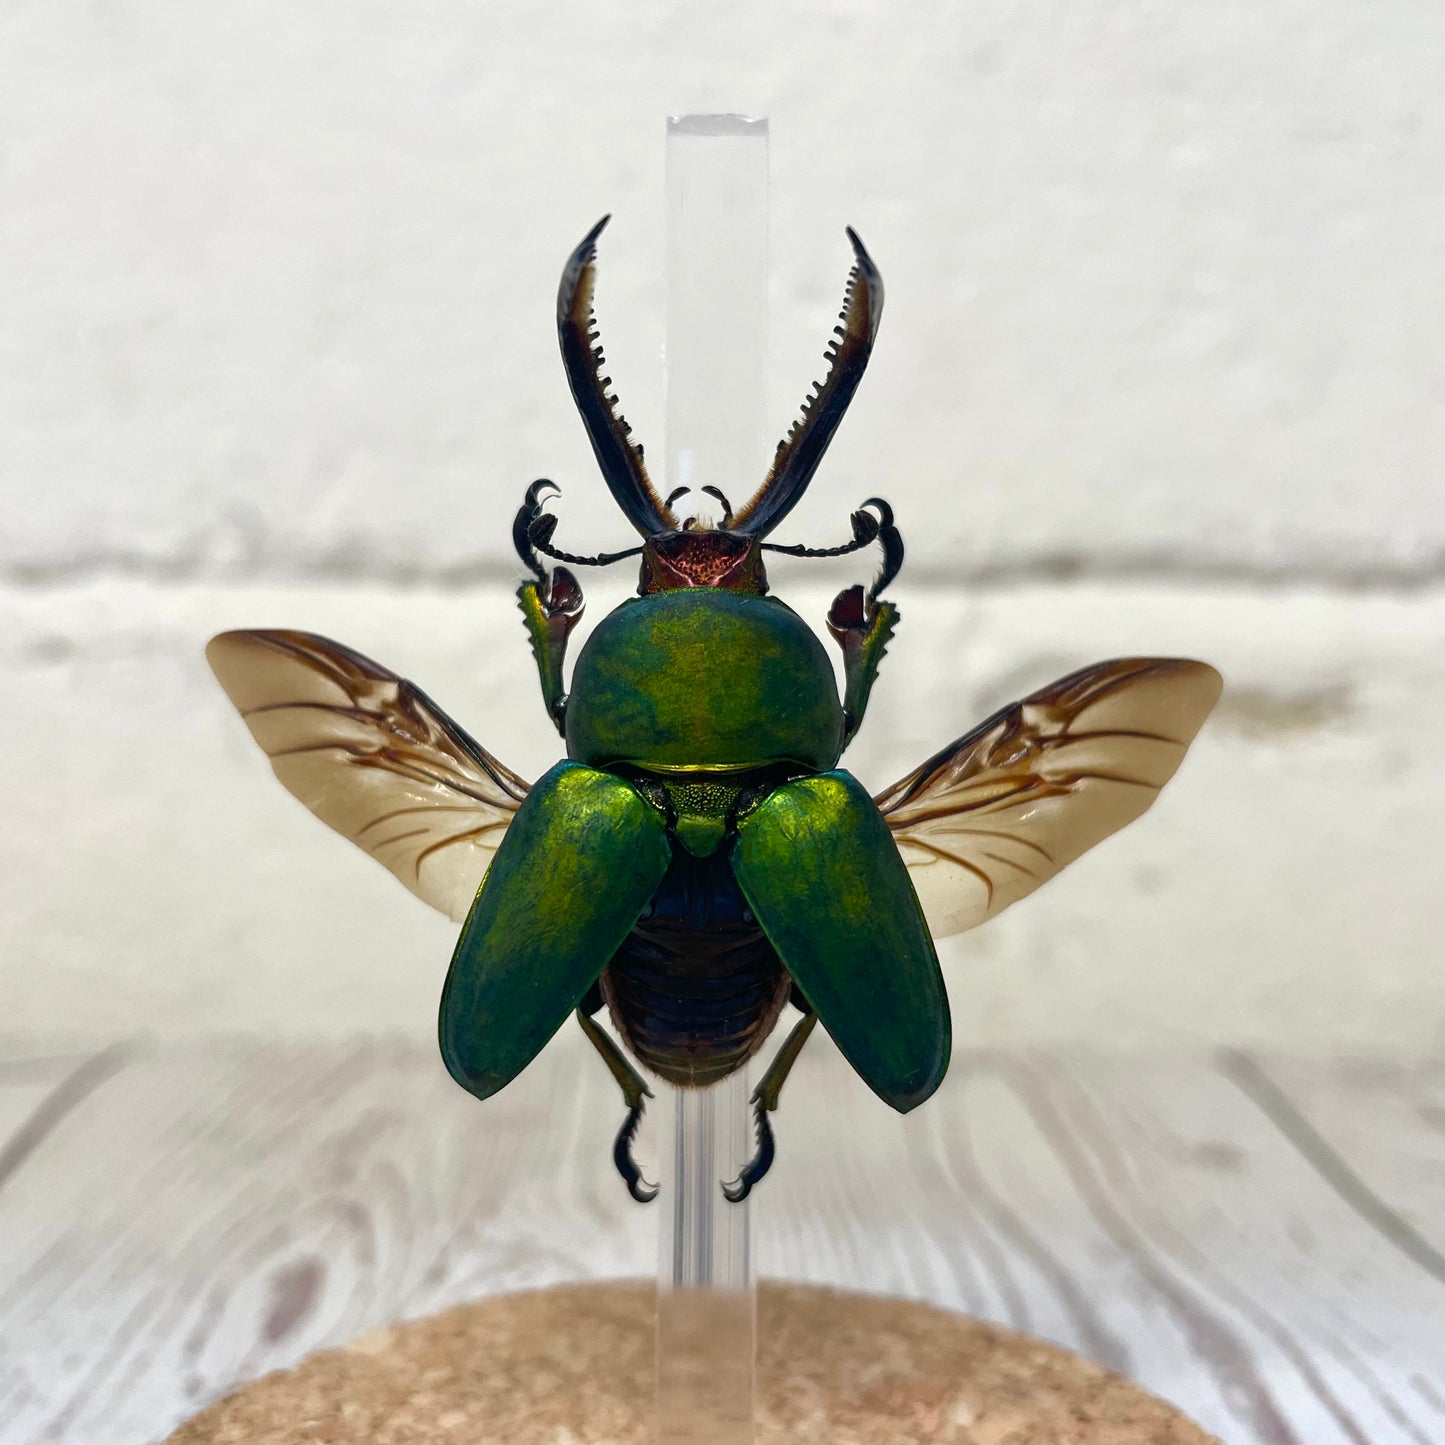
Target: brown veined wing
{"points": [[373, 757], [1000, 811]]}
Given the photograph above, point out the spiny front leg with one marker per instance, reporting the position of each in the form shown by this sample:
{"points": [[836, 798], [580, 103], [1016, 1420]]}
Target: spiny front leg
{"points": [[862, 624], [551, 606], [635, 1093], [765, 1100]]}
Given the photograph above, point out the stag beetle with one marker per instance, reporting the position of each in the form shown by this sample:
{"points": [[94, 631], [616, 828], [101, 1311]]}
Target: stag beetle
{"points": [[698, 862]]}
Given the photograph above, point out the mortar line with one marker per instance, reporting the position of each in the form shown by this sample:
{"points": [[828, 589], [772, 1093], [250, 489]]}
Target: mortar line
{"points": [[1060, 570]]}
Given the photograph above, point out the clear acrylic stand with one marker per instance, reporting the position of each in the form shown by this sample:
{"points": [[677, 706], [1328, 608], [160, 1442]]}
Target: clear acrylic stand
{"points": [[716, 354]]}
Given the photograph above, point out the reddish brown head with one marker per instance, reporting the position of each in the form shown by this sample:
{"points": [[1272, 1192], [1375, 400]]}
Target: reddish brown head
{"points": [[702, 557]]}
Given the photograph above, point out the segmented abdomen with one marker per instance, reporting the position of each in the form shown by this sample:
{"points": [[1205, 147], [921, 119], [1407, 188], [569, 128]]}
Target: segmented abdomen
{"points": [[696, 987]]}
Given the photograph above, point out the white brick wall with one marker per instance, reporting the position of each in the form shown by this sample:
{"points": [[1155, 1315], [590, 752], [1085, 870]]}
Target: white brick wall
{"points": [[1160, 371]]}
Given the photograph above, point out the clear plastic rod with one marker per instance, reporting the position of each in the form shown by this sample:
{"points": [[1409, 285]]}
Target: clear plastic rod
{"points": [[716, 351]]}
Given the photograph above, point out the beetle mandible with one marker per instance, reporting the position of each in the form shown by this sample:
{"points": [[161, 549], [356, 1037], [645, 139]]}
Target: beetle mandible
{"points": [[698, 862]]}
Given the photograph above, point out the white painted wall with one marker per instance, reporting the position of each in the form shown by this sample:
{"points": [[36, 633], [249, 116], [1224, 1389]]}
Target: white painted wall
{"points": [[1160, 371]]}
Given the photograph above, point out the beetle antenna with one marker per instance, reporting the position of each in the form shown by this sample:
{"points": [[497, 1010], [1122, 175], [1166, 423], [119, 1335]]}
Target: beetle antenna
{"points": [[840, 551], [866, 529], [539, 535], [532, 532]]}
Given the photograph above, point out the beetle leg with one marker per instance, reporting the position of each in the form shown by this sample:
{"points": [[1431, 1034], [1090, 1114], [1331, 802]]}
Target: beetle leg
{"points": [[891, 541], [552, 606], [551, 609], [860, 623], [527, 514], [634, 1094], [765, 1100], [862, 627]]}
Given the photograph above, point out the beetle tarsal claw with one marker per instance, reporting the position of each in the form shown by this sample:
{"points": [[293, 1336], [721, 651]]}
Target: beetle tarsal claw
{"points": [[637, 1186], [891, 541], [527, 517], [739, 1189]]}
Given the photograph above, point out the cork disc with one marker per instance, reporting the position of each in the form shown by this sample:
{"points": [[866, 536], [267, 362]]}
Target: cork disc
{"points": [[574, 1366]]}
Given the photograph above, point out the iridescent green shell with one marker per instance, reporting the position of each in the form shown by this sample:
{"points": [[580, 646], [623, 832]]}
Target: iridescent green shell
{"points": [[573, 872], [704, 679], [817, 865]]}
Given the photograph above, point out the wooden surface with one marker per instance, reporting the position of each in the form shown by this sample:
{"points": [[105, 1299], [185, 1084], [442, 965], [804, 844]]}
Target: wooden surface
{"points": [[574, 1363], [1262, 1243]]}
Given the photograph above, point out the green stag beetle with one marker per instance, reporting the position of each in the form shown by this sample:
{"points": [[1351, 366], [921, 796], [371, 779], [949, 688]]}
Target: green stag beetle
{"points": [[699, 862]]}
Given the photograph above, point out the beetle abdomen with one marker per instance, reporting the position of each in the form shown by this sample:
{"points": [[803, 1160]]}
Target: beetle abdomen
{"points": [[692, 1019], [704, 679], [696, 987]]}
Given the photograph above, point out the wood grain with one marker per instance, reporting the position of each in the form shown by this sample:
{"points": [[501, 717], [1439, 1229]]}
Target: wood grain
{"points": [[1250, 1238]]}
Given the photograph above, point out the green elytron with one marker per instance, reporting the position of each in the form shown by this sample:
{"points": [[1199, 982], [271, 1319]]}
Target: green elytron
{"points": [[699, 862]]}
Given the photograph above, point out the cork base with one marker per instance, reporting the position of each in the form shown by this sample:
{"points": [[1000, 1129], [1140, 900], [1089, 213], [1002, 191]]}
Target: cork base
{"points": [[575, 1365]]}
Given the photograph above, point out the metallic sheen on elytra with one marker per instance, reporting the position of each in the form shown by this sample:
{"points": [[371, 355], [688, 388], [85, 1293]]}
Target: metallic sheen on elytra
{"points": [[698, 862]]}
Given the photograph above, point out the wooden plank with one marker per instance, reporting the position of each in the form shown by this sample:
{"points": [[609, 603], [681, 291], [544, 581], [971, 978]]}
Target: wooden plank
{"points": [[1375, 1128], [208, 1213], [37, 1093], [1337, 1321], [1153, 1217], [217, 1212]]}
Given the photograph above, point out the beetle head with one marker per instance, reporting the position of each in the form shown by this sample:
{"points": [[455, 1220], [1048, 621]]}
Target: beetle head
{"points": [[702, 557], [678, 552]]}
